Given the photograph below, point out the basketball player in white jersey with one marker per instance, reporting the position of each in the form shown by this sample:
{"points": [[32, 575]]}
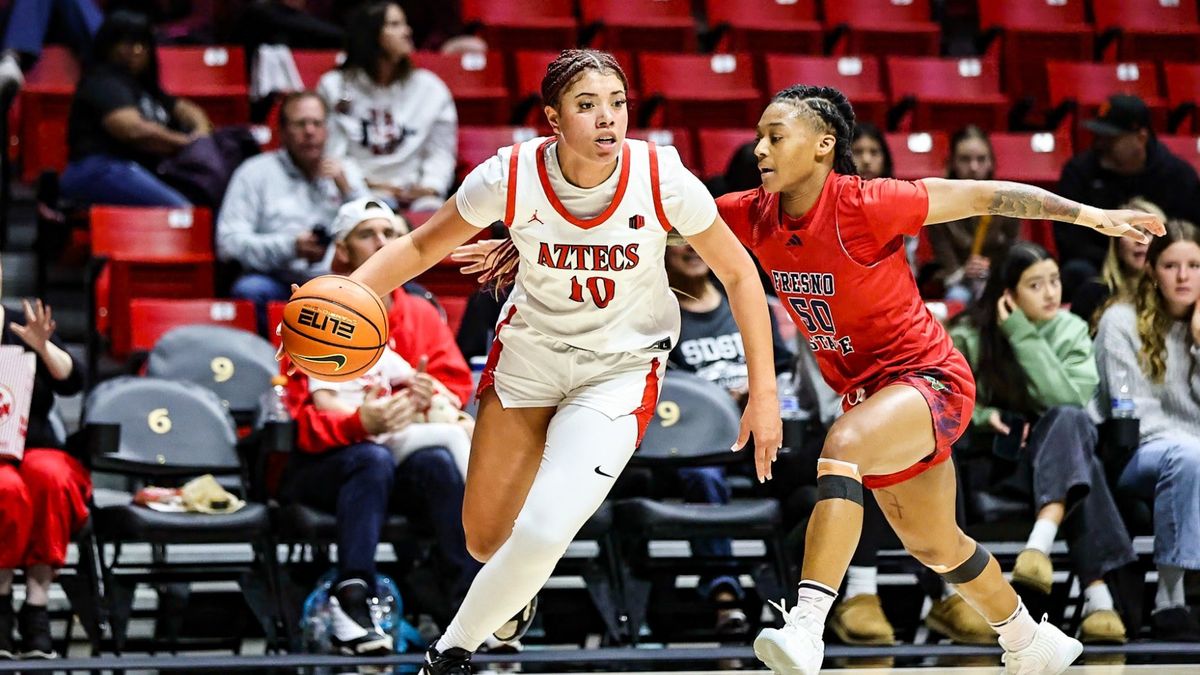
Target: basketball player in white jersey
{"points": [[575, 370]]}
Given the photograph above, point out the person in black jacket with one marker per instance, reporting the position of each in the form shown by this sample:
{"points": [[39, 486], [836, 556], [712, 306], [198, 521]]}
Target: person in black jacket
{"points": [[44, 496], [1124, 162]]}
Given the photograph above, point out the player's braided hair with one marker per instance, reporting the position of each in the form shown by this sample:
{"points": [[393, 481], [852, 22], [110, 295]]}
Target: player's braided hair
{"points": [[570, 64], [832, 109], [500, 266]]}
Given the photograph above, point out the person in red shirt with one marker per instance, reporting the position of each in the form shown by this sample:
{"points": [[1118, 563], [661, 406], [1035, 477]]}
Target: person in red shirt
{"points": [[833, 246]]}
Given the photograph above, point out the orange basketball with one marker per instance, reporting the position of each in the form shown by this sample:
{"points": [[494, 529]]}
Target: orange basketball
{"points": [[334, 328]]}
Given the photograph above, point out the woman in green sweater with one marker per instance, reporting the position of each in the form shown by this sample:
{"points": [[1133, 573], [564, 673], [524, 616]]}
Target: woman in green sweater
{"points": [[1036, 372]]}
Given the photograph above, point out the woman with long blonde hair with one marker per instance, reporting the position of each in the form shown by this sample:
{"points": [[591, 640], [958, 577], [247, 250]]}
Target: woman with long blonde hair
{"points": [[1120, 273], [1147, 350]]}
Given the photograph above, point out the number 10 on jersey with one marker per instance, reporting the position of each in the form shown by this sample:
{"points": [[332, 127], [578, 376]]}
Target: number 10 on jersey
{"points": [[601, 289]]}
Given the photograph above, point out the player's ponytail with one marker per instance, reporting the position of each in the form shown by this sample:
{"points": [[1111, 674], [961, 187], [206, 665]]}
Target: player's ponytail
{"points": [[500, 268], [833, 109]]}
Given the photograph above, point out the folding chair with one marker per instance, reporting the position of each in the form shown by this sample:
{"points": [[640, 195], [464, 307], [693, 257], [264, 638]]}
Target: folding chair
{"points": [[476, 80], [1030, 158], [948, 94], [655, 25], [1081, 88], [522, 24], [45, 102], [858, 77], [1182, 82], [717, 147], [1027, 33], [477, 144], [1147, 30], [698, 90], [166, 432], [151, 318], [765, 27], [235, 364], [919, 154], [1186, 148], [680, 139], [214, 77], [695, 423], [144, 252], [881, 28], [313, 63]]}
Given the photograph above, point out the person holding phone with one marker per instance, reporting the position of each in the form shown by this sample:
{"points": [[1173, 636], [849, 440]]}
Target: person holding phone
{"points": [[1035, 372]]}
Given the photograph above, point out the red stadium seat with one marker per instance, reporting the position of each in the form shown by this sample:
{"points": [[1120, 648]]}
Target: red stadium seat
{"points": [[680, 139], [45, 103], [700, 90], [653, 25], [477, 82], [1182, 82], [883, 27], [213, 77], [1089, 85], [919, 155], [529, 67], [1148, 30], [717, 147], [1186, 148], [763, 27], [1030, 158], [1030, 33], [313, 63], [949, 93], [455, 306], [477, 144], [523, 24], [150, 252], [857, 77], [151, 318]]}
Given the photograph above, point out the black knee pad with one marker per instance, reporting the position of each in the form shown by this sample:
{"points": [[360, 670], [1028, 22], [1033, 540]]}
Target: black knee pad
{"points": [[833, 486], [970, 569]]}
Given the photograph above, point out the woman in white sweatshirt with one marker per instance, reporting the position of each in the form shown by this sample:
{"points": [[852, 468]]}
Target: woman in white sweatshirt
{"points": [[396, 121]]}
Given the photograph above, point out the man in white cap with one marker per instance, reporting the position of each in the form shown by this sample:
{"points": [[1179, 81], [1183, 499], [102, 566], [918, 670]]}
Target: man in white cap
{"points": [[346, 466]]}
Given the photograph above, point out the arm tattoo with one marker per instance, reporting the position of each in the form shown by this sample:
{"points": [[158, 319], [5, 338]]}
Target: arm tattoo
{"points": [[1025, 201]]}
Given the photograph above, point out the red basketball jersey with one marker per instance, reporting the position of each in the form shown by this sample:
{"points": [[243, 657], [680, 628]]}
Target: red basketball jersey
{"points": [[842, 273]]}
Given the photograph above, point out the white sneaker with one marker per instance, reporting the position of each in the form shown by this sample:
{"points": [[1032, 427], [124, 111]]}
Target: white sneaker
{"points": [[795, 649], [11, 76], [1050, 653]]}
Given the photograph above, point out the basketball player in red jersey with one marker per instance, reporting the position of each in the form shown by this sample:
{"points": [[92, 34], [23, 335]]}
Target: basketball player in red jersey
{"points": [[832, 244]]}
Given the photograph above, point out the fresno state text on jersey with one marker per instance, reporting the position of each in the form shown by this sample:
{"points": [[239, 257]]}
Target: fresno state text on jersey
{"points": [[805, 293]]}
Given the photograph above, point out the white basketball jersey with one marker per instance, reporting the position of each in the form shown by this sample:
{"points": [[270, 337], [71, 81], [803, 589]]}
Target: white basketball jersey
{"points": [[597, 284]]}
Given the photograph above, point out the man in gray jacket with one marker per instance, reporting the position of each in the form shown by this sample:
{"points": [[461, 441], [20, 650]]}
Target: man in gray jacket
{"points": [[278, 204]]}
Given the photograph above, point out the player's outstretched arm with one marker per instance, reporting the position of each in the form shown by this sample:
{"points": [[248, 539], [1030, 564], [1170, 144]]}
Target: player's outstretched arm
{"points": [[400, 261], [956, 199], [734, 267]]}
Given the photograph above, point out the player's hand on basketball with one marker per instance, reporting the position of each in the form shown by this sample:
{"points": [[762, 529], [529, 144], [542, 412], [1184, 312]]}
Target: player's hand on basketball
{"points": [[1135, 225], [279, 353], [761, 420], [996, 422], [474, 255], [39, 325]]}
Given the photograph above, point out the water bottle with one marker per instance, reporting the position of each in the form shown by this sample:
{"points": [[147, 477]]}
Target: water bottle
{"points": [[1123, 406], [273, 404], [789, 409]]}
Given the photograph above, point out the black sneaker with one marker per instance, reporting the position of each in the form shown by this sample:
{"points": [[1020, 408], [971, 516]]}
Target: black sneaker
{"points": [[354, 631], [34, 623], [453, 661], [7, 621], [1175, 624], [515, 628]]}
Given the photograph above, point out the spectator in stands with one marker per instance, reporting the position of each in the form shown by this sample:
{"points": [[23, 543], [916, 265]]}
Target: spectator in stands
{"points": [[341, 468], [273, 220], [1036, 372], [44, 496], [964, 250], [122, 123], [398, 122], [872, 156], [710, 345], [1125, 161], [1149, 346], [1122, 268], [28, 23]]}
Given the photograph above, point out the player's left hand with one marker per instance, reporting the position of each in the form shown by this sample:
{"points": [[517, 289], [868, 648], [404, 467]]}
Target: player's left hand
{"points": [[475, 255], [761, 420], [1127, 223]]}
